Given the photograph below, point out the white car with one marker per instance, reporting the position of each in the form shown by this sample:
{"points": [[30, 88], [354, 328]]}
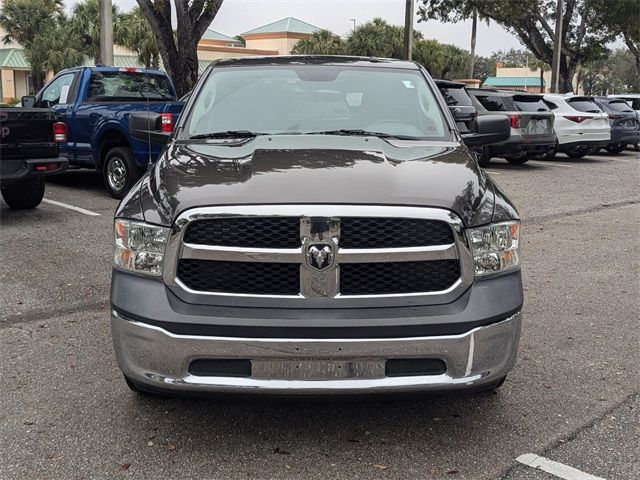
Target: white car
{"points": [[580, 126]]}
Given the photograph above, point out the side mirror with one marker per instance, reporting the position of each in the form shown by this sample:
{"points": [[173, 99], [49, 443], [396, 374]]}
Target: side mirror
{"points": [[147, 127], [28, 101], [489, 129]]}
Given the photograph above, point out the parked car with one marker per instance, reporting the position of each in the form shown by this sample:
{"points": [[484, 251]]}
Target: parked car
{"points": [[531, 124], [580, 126], [316, 225], [29, 141], [461, 107], [625, 126], [95, 103], [632, 99]]}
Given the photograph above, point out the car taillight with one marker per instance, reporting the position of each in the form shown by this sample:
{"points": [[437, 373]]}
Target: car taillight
{"points": [[166, 123], [59, 132], [615, 116], [130, 69], [515, 121], [577, 119]]}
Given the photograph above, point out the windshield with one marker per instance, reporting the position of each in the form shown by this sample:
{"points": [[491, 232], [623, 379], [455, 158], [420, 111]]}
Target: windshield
{"points": [[620, 106], [584, 105], [297, 99], [456, 97], [128, 86], [530, 104]]}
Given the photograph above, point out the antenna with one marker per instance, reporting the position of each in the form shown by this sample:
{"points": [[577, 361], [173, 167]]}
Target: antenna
{"points": [[148, 133]]}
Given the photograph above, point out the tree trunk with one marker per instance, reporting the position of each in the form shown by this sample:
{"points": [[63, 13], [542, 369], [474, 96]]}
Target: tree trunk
{"points": [[474, 31], [541, 79], [567, 71]]}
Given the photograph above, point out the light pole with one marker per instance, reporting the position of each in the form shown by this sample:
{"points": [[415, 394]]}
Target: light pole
{"points": [[354, 24], [557, 50], [408, 29], [106, 32]]}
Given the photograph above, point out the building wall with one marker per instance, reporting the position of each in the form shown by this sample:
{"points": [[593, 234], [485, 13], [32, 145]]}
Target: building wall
{"points": [[281, 42], [8, 85], [525, 72]]}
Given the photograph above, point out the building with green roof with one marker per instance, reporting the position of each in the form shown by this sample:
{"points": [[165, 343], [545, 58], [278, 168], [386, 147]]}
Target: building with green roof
{"points": [[279, 36], [14, 74]]}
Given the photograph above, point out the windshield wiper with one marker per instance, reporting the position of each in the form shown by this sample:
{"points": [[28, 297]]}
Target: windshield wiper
{"points": [[363, 133], [227, 134]]}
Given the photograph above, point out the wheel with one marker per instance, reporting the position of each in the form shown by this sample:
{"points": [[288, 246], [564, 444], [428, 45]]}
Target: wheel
{"points": [[119, 171], [484, 158], [615, 147], [518, 160], [583, 152], [636, 146], [24, 194]]}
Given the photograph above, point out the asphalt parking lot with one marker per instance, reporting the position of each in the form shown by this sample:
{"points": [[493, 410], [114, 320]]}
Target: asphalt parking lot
{"points": [[573, 397]]}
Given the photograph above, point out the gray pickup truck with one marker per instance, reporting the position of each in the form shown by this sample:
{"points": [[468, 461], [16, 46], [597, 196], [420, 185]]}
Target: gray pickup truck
{"points": [[316, 225], [29, 151]]}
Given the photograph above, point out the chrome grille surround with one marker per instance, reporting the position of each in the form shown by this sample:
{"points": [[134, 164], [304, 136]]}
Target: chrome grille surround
{"points": [[319, 224]]}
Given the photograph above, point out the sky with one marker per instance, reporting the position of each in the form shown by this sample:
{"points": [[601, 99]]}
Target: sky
{"points": [[237, 16]]}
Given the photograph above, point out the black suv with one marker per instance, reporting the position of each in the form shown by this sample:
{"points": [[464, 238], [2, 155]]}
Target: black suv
{"points": [[531, 123], [316, 225]]}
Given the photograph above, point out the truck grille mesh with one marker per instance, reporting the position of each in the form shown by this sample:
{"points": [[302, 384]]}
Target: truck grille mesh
{"points": [[250, 232], [284, 232], [374, 232], [397, 277], [240, 277]]}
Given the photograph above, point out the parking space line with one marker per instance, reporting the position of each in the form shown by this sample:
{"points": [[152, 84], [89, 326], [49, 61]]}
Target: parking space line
{"points": [[71, 207], [559, 470], [492, 173], [553, 164]]}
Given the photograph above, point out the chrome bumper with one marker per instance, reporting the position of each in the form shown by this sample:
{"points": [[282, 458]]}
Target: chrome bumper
{"points": [[155, 357]]}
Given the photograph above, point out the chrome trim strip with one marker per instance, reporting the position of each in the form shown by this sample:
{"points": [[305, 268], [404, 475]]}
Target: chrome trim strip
{"points": [[314, 297], [240, 254], [408, 254]]}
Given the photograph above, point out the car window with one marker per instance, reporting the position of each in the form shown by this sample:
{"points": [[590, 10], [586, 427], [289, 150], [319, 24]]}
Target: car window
{"points": [[57, 91], [493, 103], [129, 87], [620, 106], [456, 97], [584, 105], [530, 104], [294, 99]]}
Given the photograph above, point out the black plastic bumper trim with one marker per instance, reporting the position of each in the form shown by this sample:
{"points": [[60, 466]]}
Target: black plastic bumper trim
{"points": [[317, 332]]}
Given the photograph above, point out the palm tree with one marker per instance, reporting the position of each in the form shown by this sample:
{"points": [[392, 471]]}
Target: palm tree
{"points": [[55, 49], [320, 43], [25, 21], [136, 34], [535, 65], [85, 23]]}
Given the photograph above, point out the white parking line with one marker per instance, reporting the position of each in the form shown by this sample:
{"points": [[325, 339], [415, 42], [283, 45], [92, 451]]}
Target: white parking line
{"points": [[554, 468], [492, 173], [71, 207], [553, 164]]}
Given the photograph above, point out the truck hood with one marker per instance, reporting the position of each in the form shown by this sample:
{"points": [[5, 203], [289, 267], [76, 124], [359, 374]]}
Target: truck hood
{"points": [[308, 169]]}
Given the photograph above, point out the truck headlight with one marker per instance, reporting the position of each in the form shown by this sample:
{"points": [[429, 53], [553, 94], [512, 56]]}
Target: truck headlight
{"points": [[495, 248], [139, 247]]}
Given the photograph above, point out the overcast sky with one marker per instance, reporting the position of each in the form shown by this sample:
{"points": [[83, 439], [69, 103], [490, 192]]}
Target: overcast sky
{"points": [[237, 16]]}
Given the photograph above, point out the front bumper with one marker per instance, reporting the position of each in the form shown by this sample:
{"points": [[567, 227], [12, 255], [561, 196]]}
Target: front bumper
{"points": [[158, 359]]}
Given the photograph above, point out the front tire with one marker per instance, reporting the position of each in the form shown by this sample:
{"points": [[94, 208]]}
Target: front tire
{"points": [[119, 171], [483, 156], [518, 160], [25, 194], [615, 147], [578, 153]]}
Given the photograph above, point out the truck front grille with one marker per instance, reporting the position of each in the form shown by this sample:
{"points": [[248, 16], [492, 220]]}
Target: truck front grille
{"points": [[325, 251], [398, 277], [240, 277]]}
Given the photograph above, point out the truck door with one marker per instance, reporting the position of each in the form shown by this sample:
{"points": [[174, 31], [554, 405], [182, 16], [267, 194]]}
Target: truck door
{"points": [[58, 95]]}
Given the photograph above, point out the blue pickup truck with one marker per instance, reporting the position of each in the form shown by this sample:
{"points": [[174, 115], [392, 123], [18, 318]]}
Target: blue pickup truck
{"points": [[95, 103]]}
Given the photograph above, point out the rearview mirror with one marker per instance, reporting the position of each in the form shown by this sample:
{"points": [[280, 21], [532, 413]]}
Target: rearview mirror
{"points": [[28, 101], [147, 126], [489, 129]]}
